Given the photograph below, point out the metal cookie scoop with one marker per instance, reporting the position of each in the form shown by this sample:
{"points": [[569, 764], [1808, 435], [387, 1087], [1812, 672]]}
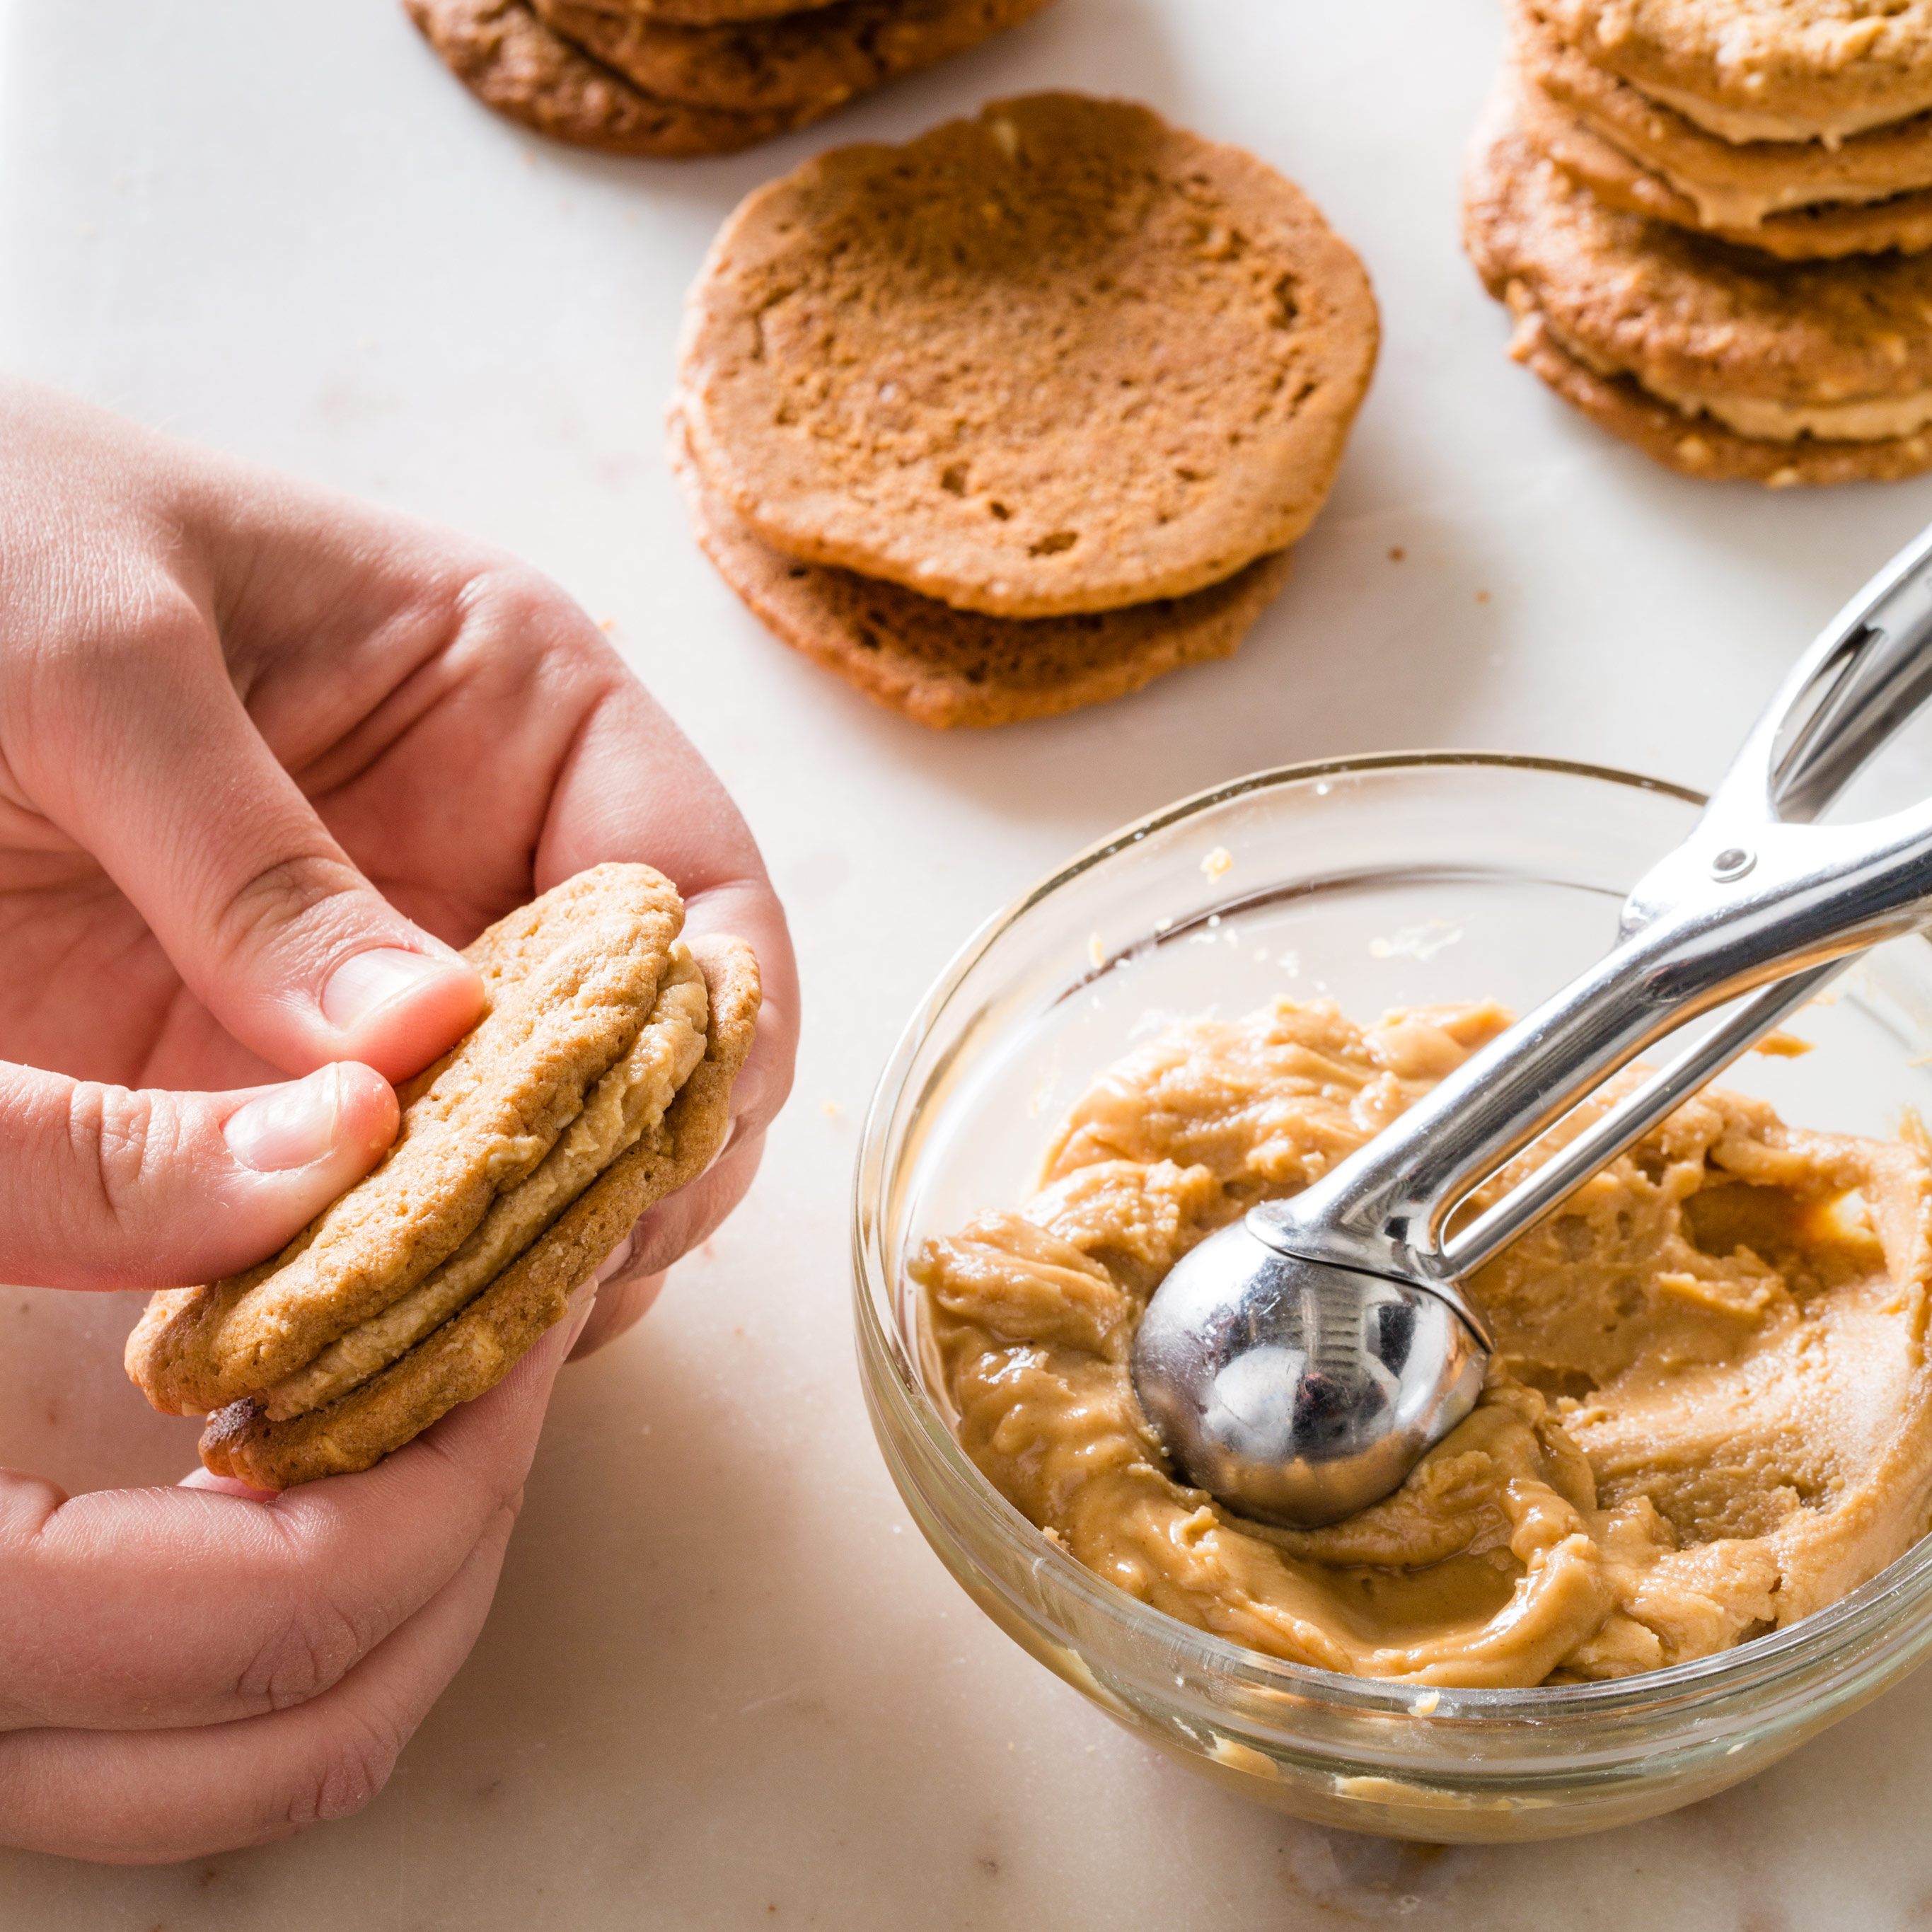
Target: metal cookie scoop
{"points": [[1299, 1363]]}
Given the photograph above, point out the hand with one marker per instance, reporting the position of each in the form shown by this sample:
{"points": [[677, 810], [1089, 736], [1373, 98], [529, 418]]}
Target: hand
{"points": [[265, 756]]}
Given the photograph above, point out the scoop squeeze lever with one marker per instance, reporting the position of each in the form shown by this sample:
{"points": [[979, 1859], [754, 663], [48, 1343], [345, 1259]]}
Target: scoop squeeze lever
{"points": [[1299, 1363]]}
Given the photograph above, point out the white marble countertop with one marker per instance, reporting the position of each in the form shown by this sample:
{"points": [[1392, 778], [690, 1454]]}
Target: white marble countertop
{"points": [[725, 1684]]}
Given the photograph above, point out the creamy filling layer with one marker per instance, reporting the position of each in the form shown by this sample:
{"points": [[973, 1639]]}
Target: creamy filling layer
{"points": [[1735, 205], [1876, 422], [1875, 419], [619, 1109], [1733, 184], [1740, 125]]}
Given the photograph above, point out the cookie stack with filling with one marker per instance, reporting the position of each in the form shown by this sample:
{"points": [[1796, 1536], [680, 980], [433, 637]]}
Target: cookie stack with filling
{"points": [[672, 78], [1712, 220], [1022, 414], [597, 1082]]}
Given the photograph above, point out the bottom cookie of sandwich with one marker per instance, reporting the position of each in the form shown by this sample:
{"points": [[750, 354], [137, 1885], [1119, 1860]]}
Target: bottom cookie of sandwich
{"points": [[1699, 446], [943, 667]]}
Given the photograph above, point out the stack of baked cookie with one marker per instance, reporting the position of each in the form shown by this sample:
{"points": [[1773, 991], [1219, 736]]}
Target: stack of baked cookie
{"points": [[686, 77], [1022, 414], [1708, 217]]}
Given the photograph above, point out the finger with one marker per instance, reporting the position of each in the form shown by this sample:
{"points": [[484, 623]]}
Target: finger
{"points": [[681, 1221], [677, 1225], [750, 911], [634, 787], [153, 1797], [153, 1608], [105, 1187], [621, 1306], [138, 745], [613, 1273]]}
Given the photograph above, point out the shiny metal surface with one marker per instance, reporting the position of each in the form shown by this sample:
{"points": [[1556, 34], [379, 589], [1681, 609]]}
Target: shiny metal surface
{"points": [[1261, 1358], [1313, 1394]]}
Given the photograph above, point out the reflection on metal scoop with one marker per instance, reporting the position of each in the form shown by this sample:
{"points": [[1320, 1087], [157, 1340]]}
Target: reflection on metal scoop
{"points": [[1299, 1364], [1310, 1387]]}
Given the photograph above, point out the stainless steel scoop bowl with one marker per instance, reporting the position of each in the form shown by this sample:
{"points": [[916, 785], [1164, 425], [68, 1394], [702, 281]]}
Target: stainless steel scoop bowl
{"points": [[1299, 1363]]}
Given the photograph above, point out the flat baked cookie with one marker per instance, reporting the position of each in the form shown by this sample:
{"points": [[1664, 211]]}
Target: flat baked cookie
{"points": [[512, 62], [1828, 232], [1764, 70], [815, 60], [1061, 358], [943, 667], [1828, 365], [597, 1081]]}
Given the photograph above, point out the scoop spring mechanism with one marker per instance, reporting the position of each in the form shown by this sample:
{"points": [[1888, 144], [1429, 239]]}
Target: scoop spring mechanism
{"points": [[1299, 1363]]}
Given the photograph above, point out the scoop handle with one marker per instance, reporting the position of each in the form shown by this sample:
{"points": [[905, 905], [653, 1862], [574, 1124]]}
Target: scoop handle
{"points": [[1759, 893]]}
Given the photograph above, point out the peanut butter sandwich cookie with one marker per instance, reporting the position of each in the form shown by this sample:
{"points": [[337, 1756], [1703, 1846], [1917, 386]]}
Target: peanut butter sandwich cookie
{"points": [[680, 80], [1763, 70], [942, 667], [812, 62], [1060, 358], [1718, 363], [512, 62], [1798, 200], [598, 1081], [717, 13]]}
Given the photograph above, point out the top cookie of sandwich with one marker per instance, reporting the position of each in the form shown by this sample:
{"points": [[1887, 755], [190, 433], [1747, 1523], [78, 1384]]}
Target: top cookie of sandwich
{"points": [[571, 980], [1764, 70], [1059, 357]]}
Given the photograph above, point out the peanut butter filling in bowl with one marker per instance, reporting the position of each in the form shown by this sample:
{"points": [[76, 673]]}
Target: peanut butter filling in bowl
{"points": [[1681, 1532]]}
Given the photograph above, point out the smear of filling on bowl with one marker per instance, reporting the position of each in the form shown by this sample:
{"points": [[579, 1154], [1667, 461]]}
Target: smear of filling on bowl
{"points": [[1709, 1413]]}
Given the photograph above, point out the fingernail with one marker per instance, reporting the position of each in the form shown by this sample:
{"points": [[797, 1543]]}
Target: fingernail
{"points": [[369, 980], [291, 1127]]}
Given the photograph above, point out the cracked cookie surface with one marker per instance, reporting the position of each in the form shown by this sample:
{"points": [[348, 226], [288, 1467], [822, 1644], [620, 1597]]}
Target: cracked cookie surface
{"points": [[1061, 358], [815, 61], [943, 667]]}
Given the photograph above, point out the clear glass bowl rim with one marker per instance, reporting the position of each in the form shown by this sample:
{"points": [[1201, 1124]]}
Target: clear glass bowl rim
{"points": [[1756, 1668]]}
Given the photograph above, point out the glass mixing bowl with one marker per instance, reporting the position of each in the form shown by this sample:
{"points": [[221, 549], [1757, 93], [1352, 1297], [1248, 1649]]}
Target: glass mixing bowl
{"points": [[1385, 881]]}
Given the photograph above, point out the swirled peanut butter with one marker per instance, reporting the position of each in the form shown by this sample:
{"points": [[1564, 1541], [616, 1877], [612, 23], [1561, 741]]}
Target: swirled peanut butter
{"points": [[1709, 1415]]}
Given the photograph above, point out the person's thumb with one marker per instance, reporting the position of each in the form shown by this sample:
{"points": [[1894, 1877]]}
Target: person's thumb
{"points": [[105, 1187]]}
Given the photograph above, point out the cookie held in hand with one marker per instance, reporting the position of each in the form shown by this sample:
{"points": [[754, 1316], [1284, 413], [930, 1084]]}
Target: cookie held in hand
{"points": [[598, 1081]]}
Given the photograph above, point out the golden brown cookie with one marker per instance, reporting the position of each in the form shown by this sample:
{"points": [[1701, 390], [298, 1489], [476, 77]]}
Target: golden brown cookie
{"points": [[468, 1354], [943, 667], [1061, 358], [715, 13], [1733, 187], [596, 1066], [1764, 70], [1825, 232], [1700, 447], [1829, 365], [816, 60], [513, 63]]}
